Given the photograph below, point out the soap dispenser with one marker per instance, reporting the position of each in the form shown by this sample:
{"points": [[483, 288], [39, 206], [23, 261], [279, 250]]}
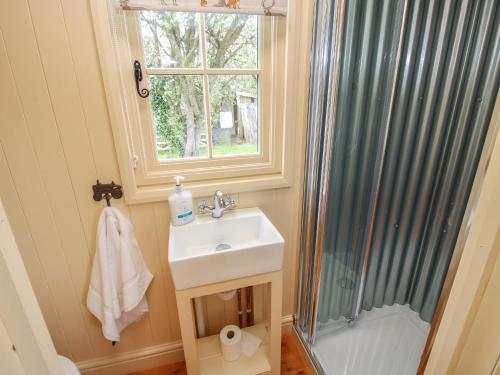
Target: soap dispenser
{"points": [[181, 204]]}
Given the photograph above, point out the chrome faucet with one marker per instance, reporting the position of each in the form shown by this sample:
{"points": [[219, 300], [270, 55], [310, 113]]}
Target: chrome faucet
{"points": [[220, 205]]}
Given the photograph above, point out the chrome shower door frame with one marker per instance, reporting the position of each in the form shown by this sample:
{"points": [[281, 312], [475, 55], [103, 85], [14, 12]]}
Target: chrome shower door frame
{"points": [[317, 173]]}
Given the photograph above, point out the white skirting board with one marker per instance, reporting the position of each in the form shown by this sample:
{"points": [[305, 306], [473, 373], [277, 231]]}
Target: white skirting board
{"points": [[150, 357]]}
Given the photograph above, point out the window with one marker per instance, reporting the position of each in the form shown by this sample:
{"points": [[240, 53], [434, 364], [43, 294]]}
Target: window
{"points": [[203, 72], [216, 109]]}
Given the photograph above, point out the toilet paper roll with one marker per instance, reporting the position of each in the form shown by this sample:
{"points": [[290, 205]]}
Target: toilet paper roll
{"points": [[227, 295], [230, 342]]}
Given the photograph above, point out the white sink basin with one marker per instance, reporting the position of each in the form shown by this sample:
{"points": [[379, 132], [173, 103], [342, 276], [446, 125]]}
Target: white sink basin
{"points": [[241, 243]]}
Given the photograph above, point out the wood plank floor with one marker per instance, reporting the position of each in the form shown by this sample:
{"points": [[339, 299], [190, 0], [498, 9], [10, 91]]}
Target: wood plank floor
{"points": [[293, 361]]}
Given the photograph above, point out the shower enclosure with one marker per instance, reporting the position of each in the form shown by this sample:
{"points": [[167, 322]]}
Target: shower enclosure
{"points": [[401, 97]]}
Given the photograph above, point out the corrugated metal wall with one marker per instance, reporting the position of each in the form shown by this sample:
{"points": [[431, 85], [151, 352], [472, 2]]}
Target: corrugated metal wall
{"points": [[416, 89]]}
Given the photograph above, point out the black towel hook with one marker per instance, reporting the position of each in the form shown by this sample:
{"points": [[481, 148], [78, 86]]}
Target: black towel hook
{"points": [[143, 93], [107, 191]]}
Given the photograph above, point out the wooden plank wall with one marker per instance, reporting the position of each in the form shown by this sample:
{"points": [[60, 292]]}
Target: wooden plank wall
{"points": [[55, 141]]}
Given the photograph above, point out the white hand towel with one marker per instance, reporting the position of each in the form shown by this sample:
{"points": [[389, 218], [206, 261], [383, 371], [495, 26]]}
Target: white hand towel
{"points": [[119, 278]]}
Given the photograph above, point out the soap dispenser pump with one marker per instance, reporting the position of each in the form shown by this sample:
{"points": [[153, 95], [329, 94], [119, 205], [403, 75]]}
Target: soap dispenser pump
{"points": [[181, 204]]}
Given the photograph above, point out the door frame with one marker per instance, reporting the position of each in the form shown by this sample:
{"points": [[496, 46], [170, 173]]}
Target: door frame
{"points": [[492, 142], [19, 309]]}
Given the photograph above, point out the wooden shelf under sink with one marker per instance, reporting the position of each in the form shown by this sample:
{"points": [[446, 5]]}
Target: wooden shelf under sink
{"points": [[212, 363], [203, 355]]}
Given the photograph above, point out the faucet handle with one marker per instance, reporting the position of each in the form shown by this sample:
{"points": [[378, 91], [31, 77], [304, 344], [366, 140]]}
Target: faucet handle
{"points": [[229, 202], [202, 207]]}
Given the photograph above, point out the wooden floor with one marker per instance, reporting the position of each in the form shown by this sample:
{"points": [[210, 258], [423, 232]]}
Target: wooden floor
{"points": [[293, 361]]}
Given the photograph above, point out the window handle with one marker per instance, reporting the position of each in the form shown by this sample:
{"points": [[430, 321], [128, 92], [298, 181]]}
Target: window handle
{"points": [[143, 93]]}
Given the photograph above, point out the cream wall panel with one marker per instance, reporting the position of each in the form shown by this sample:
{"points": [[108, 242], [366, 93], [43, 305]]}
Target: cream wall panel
{"points": [[259, 296], [78, 24], [20, 128], [215, 314], [285, 220], [143, 218], [219, 313], [57, 140], [162, 222], [68, 184], [57, 62], [79, 109], [30, 254]]}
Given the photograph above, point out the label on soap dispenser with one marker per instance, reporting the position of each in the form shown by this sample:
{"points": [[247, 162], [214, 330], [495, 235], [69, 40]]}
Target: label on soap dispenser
{"points": [[182, 216], [184, 212]]}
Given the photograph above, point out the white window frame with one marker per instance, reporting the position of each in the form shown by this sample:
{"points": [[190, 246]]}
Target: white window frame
{"points": [[143, 176]]}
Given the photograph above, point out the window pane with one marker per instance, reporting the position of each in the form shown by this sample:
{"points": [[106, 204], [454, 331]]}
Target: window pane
{"points": [[178, 116], [234, 114], [231, 41], [170, 39]]}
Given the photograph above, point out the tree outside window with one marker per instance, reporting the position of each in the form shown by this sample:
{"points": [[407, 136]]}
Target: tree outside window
{"points": [[203, 71]]}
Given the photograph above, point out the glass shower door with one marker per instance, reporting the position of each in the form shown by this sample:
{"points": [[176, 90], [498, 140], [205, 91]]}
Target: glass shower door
{"points": [[355, 61], [346, 143], [395, 133]]}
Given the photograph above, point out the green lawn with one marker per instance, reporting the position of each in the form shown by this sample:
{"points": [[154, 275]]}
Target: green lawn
{"points": [[220, 150], [246, 148]]}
